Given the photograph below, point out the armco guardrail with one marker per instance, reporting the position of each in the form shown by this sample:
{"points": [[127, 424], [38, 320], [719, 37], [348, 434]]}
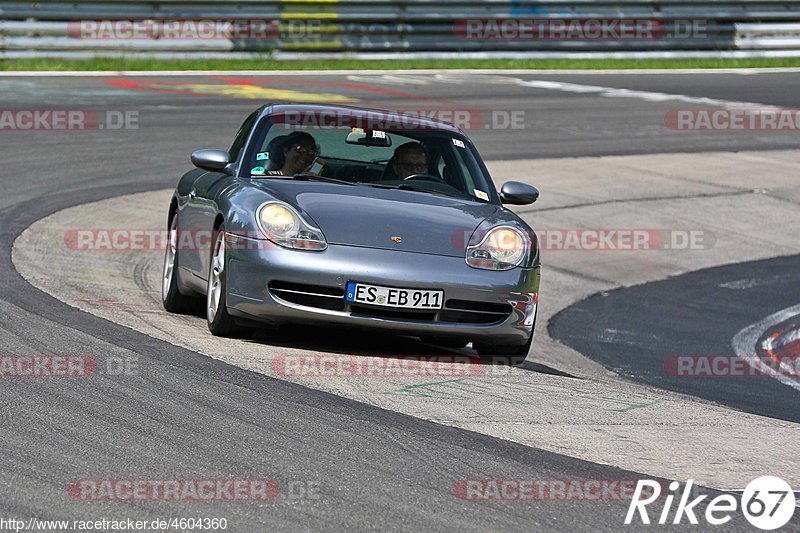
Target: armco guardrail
{"points": [[382, 28]]}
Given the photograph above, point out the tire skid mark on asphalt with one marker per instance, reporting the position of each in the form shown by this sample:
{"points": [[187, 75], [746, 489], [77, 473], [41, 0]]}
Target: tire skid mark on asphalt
{"points": [[750, 283], [456, 388], [628, 338]]}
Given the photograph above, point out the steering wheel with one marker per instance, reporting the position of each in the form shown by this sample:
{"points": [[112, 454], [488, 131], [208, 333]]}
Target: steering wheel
{"points": [[424, 177]]}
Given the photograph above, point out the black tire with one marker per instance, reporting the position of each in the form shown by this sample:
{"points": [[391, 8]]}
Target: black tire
{"points": [[498, 354], [220, 323], [171, 297], [452, 343]]}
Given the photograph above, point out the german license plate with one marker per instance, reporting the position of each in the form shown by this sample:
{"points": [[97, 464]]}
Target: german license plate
{"points": [[391, 297]]}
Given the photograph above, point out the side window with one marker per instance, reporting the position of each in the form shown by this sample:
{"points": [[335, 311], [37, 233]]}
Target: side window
{"points": [[449, 167], [468, 169], [441, 166], [241, 137]]}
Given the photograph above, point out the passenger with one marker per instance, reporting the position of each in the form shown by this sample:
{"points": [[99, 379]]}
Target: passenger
{"points": [[409, 159]]}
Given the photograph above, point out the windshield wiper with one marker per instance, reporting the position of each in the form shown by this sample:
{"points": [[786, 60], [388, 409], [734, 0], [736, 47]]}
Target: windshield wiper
{"points": [[415, 188]]}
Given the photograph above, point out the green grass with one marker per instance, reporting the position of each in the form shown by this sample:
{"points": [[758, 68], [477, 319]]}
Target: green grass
{"points": [[343, 64]]}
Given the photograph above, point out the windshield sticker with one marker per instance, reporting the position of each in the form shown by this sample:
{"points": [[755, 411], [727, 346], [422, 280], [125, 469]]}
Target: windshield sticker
{"points": [[459, 143], [261, 156], [481, 195], [258, 171], [378, 134]]}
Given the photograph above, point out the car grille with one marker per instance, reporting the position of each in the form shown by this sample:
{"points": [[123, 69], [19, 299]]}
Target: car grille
{"points": [[332, 298]]}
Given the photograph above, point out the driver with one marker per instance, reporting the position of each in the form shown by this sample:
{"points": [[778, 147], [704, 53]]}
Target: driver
{"points": [[299, 150], [409, 159]]}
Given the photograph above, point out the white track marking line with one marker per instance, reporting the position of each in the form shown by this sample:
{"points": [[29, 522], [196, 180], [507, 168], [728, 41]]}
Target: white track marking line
{"points": [[744, 344], [786, 338], [449, 78], [768, 344], [647, 96], [610, 92], [405, 80], [390, 80]]}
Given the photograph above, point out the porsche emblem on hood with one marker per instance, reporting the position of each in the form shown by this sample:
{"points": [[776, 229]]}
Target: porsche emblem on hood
{"points": [[397, 239]]}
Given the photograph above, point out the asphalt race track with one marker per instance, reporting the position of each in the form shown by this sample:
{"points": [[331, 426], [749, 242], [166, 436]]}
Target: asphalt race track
{"points": [[192, 408], [696, 314]]}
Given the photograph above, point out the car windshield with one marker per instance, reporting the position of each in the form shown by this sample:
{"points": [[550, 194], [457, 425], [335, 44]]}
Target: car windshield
{"points": [[425, 160]]}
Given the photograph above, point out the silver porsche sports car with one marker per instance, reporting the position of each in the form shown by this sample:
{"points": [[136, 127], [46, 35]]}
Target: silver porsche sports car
{"points": [[353, 217]]}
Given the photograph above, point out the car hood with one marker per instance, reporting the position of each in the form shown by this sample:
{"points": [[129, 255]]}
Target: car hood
{"points": [[375, 218]]}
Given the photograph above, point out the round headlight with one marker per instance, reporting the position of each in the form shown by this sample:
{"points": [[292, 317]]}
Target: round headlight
{"points": [[284, 226], [507, 244], [278, 220], [502, 248]]}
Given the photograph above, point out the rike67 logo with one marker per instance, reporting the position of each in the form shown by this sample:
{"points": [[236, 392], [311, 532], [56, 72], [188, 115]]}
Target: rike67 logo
{"points": [[767, 502]]}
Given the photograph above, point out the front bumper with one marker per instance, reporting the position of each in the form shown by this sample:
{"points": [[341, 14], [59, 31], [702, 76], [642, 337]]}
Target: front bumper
{"points": [[272, 284]]}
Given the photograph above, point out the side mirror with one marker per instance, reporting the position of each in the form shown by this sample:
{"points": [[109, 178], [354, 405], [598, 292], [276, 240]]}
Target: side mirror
{"points": [[514, 192], [213, 160]]}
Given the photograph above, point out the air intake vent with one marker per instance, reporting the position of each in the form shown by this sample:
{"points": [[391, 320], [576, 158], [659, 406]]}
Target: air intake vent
{"points": [[467, 312], [308, 295]]}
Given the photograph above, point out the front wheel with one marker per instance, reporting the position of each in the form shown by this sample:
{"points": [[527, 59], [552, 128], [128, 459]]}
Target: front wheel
{"points": [[499, 354], [220, 323], [447, 342], [171, 297]]}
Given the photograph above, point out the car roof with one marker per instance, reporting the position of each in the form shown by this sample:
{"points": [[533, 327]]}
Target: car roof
{"points": [[413, 121]]}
